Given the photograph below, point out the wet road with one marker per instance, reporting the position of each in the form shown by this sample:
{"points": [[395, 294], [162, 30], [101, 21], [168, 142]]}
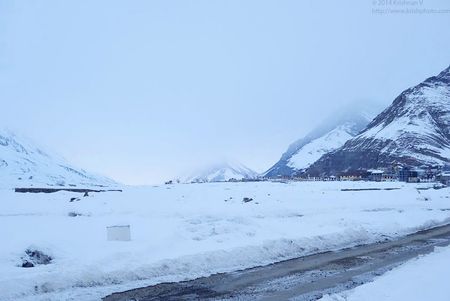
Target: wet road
{"points": [[304, 278]]}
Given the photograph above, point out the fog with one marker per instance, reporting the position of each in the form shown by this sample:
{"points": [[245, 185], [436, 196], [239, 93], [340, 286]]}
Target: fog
{"points": [[144, 91]]}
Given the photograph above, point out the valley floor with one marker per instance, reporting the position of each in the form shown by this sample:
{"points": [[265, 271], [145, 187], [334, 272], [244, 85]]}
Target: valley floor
{"points": [[183, 232]]}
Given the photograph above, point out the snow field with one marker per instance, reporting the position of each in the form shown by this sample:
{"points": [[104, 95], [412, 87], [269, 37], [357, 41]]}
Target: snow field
{"points": [[186, 231]]}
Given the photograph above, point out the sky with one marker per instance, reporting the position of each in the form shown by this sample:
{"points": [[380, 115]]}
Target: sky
{"points": [[144, 91]]}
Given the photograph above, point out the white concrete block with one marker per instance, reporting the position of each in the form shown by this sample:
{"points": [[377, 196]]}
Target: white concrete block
{"points": [[120, 233]]}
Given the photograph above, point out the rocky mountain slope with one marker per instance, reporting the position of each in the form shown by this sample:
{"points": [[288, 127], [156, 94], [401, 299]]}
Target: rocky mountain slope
{"points": [[23, 164], [414, 130], [331, 135]]}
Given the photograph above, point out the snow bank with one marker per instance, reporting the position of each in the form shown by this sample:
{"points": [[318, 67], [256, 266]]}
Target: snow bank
{"points": [[185, 231], [424, 278]]}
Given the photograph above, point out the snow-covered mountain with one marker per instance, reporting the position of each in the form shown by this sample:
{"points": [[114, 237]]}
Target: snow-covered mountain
{"points": [[331, 135], [23, 164], [414, 130], [222, 172]]}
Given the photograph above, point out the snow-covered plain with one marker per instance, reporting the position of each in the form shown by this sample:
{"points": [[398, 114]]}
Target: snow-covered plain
{"points": [[424, 278], [185, 231]]}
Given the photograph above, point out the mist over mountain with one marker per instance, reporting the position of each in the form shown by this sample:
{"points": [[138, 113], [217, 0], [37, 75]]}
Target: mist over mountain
{"points": [[221, 172], [414, 131], [331, 134]]}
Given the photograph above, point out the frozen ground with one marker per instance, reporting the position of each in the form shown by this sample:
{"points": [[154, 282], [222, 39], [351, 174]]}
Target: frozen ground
{"points": [[424, 278], [185, 231], [305, 278]]}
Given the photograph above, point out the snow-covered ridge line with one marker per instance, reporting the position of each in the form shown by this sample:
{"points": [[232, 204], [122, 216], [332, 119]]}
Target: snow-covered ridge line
{"points": [[413, 131], [23, 164], [312, 151], [333, 132], [221, 172]]}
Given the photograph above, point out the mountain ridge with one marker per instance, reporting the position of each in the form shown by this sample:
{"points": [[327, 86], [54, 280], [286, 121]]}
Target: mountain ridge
{"points": [[343, 125], [22, 163], [414, 131], [222, 172]]}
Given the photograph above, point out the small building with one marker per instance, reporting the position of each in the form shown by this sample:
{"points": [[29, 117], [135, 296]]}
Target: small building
{"points": [[330, 178], [444, 178], [427, 176], [408, 175], [375, 175], [309, 178], [356, 175], [389, 177], [349, 177]]}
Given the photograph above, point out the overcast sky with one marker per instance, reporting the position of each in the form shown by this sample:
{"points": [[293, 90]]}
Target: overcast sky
{"points": [[143, 91]]}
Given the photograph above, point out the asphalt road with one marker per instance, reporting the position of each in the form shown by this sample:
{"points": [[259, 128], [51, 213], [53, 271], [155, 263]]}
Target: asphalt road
{"points": [[304, 278]]}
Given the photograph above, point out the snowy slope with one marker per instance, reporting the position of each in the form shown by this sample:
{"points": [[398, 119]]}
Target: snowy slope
{"points": [[222, 172], [312, 151], [414, 130], [330, 135], [23, 164], [423, 278]]}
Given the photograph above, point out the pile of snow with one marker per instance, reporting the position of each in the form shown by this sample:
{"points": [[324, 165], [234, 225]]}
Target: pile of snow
{"points": [[181, 232], [222, 172], [424, 278], [23, 164]]}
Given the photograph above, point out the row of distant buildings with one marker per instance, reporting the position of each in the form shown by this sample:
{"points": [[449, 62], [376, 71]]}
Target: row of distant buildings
{"points": [[403, 174], [436, 174]]}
